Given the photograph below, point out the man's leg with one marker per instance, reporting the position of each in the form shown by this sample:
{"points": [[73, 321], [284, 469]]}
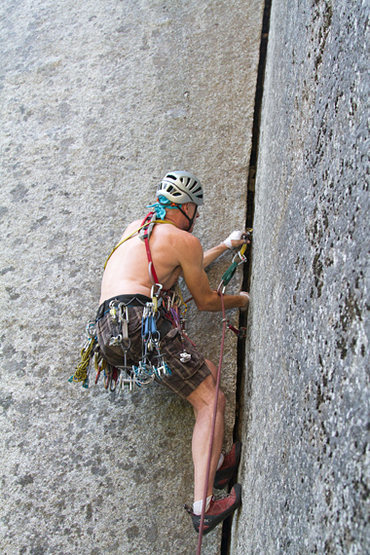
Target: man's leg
{"points": [[202, 399]]}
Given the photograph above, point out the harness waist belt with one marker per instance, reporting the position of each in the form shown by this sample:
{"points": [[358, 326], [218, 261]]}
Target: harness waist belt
{"points": [[127, 300]]}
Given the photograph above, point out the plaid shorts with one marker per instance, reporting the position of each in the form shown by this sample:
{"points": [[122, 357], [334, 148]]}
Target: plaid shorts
{"points": [[185, 377]]}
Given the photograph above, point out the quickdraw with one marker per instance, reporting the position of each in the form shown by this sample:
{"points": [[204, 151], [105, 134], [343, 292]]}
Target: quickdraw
{"points": [[226, 277]]}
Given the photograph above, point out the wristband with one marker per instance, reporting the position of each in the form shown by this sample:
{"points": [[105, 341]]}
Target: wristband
{"points": [[234, 236]]}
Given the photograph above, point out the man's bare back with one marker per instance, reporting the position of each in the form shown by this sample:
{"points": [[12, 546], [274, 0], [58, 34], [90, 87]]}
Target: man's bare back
{"points": [[127, 269], [175, 251]]}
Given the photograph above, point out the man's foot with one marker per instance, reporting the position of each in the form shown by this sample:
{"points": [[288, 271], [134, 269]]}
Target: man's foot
{"points": [[229, 467], [218, 510]]}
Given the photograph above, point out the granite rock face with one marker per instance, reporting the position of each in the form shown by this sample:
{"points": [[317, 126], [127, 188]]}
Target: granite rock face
{"points": [[305, 465], [98, 100]]}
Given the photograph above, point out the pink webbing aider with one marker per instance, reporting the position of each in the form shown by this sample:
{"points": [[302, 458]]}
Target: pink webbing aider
{"points": [[225, 324], [218, 379]]}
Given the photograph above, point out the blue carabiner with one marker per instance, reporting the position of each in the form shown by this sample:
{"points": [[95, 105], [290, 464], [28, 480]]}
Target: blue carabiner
{"points": [[145, 327], [153, 325]]}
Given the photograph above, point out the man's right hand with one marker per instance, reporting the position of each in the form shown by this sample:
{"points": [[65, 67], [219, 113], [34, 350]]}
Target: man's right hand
{"points": [[245, 306], [236, 239]]}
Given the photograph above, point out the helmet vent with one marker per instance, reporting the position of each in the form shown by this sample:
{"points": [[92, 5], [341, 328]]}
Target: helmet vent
{"points": [[173, 191], [181, 187]]}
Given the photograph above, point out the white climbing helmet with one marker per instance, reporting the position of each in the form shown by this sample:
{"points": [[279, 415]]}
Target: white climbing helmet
{"points": [[181, 187]]}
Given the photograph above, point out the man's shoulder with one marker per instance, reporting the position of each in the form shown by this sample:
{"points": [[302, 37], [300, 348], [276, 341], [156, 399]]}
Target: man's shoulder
{"points": [[131, 226], [181, 235], [185, 243]]}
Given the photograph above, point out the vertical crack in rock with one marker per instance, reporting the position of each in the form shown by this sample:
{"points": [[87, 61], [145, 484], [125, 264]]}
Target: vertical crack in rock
{"points": [[241, 382]]}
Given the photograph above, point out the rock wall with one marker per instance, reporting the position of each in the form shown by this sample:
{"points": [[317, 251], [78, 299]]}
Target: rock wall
{"points": [[305, 407], [98, 100]]}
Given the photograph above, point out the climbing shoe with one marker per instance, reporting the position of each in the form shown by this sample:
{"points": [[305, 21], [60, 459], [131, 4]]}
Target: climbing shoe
{"points": [[229, 466], [219, 510]]}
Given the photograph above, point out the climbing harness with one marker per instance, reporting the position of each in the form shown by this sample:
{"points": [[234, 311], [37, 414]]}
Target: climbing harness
{"points": [[152, 364], [173, 308]]}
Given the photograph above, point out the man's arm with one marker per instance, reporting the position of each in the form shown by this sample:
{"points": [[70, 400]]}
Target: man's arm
{"points": [[212, 254], [191, 260]]}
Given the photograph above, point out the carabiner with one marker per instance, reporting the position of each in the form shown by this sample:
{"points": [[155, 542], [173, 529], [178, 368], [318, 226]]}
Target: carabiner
{"points": [[154, 292], [240, 254], [91, 330]]}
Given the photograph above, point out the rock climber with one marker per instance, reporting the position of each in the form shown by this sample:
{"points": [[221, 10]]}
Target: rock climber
{"points": [[175, 252]]}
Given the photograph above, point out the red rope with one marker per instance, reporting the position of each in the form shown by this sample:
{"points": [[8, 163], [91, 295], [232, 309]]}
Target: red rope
{"points": [[201, 525]]}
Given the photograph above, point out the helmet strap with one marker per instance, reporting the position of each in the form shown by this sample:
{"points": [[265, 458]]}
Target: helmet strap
{"points": [[190, 220]]}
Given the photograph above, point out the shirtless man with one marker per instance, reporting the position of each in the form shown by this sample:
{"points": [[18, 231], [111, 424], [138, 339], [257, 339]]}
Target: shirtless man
{"points": [[175, 251]]}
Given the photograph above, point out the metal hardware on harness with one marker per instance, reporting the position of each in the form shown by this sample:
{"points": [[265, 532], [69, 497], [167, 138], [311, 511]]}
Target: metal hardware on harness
{"points": [[127, 378], [90, 330], [226, 277], [147, 368], [162, 370], [124, 320], [119, 315], [155, 295], [115, 340], [185, 357], [128, 383], [113, 311], [144, 374]]}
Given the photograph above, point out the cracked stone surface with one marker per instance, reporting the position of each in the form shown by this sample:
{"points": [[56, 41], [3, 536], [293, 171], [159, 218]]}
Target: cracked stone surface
{"points": [[98, 100], [305, 466]]}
